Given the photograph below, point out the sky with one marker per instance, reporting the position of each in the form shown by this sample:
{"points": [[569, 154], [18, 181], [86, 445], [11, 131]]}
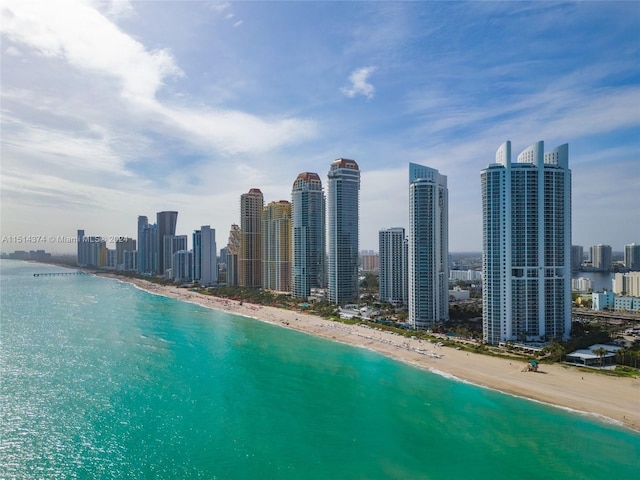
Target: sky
{"points": [[114, 109]]}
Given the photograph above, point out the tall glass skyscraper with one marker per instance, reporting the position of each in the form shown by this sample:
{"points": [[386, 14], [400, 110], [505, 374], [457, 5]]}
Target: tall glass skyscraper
{"points": [[526, 245], [308, 235], [250, 257], [343, 217], [143, 223], [166, 222], [428, 247], [205, 256]]}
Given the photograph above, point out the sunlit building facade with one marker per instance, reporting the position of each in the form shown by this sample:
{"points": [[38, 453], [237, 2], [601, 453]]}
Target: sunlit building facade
{"points": [[250, 256], [526, 210], [428, 285], [308, 205], [393, 266], [343, 209], [276, 246]]}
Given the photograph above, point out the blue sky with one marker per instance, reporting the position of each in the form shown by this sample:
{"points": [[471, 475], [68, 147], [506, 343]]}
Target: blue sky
{"points": [[112, 110]]}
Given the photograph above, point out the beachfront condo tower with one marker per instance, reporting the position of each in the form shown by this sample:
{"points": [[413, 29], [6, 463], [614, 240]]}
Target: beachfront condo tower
{"points": [[143, 223], [276, 246], [393, 266], [308, 206], [233, 252], [250, 256], [205, 256], [166, 222], [428, 247], [343, 221], [526, 245]]}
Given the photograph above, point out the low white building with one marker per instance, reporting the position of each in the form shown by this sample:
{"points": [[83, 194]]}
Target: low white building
{"points": [[588, 358], [465, 275]]}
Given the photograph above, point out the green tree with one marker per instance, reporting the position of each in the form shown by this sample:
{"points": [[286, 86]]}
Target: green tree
{"points": [[601, 352]]}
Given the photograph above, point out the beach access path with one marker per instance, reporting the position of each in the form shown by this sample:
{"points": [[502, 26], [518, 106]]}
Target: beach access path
{"points": [[617, 399]]}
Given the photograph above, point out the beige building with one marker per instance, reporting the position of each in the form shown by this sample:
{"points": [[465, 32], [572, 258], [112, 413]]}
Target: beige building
{"points": [[276, 246], [250, 257]]}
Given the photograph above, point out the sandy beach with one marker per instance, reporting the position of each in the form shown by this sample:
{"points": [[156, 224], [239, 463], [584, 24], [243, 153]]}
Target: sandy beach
{"points": [[615, 398]]}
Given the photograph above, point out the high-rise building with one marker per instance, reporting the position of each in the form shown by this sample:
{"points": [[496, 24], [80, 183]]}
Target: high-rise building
{"points": [[92, 251], [197, 255], [276, 246], [182, 266], [233, 253], [632, 257], [130, 260], [601, 257], [577, 256], [394, 275], [166, 222], [428, 247], [148, 248], [308, 206], [123, 245], [343, 222], [166, 241], [526, 211], [143, 223], [82, 252], [250, 257], [205, 256], [209, 256], [626, 284], [172, 244], [369, 261]]}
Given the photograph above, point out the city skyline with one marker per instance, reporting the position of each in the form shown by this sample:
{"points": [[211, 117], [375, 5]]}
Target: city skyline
{"points": [[110, 105]]}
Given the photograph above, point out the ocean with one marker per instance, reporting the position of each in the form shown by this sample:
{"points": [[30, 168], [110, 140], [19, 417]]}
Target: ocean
{"points": [[100, 380]]}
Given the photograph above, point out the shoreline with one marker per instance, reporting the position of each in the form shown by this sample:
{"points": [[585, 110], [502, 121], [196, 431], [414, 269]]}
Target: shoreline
{"points": [[613, 400]]}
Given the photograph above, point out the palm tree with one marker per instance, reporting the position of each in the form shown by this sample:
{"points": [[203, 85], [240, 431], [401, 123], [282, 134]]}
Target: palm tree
{"points": [[601, 352]]}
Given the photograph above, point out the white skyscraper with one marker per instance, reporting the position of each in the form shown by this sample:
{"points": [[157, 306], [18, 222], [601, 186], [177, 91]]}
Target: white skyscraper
{"points": [[393, 265], [205, 256], [526, 211], [428, 247]]}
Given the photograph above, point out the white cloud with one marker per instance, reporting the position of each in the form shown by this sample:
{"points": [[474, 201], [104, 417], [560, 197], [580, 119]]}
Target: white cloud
{"points": [[80, 35], [233, 131], [12, 51], [359, 83], [220, 6], [119, 8]]}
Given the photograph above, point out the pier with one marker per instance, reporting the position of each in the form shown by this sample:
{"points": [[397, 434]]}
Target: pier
{"points": [[58, 274]]}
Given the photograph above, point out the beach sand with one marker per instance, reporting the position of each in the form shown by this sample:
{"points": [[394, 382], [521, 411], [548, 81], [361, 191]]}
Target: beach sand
{"points": [[615, 398]]}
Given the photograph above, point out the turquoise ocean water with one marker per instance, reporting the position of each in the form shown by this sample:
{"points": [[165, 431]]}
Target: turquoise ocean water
{"points": [[101, 380]]}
